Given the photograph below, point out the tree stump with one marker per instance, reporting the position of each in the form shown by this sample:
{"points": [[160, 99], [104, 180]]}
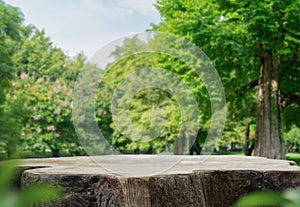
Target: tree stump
{"points": [[138, 181]]}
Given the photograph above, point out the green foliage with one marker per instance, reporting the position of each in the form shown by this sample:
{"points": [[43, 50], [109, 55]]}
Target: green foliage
{"points": [[45, 81], [143, 104], [12, 116], [232, 134], [48, 119], [292, 139], [10, 112], [37, 55], [235, 35], [73, 67], [289, 198], [293, 135], [35, 194], [10, 24], [232, 33], [294, 157], [289, 116], [36, 85]]}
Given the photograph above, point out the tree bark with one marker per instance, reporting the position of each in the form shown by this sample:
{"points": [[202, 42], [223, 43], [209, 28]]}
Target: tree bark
{"points": [[178, 146], [196, 181], [269, 123], [195, 148], [55, 152], [248, 147]]}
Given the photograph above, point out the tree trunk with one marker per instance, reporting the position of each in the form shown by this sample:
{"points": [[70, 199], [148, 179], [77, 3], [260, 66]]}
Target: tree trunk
{"points": [[55, 152], [269, 123], [195, 148], [178, 149], [248, 148], [157, 180], [297, 148], [290, 147]]}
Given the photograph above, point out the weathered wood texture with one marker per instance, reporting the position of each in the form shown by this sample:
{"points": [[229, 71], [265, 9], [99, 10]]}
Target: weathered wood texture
{"points": [[211, 181]]}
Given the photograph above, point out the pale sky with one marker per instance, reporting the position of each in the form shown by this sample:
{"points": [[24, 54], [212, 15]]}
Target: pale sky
{"points": [[87, 25]]}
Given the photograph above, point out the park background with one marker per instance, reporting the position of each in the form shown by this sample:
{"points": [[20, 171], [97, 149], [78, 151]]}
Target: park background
{"points": [[253, 47]]}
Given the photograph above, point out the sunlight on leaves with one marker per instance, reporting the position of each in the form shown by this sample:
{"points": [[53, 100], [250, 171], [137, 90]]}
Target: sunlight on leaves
{"points": [[35, 194], [289, 198]]}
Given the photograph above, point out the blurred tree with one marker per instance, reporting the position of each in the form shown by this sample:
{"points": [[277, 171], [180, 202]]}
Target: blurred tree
{"points": [[12, 115], [73, 66], [48, 120], [39, 194], [293, 139], [150, 107], [10, 28], [46, 77], [254, 45], [35, 88], [36, 55]]}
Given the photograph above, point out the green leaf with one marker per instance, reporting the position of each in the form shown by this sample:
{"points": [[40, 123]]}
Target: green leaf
{"points": [[38, 194], [294, 196], [262, 198], [7, 172]]}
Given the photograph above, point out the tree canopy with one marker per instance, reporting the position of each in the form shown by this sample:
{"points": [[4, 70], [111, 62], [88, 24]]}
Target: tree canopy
{"points": [[36, 86], [11, 29], [255, 47]]}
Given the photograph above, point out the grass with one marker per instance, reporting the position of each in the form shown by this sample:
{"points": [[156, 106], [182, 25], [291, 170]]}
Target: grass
{"points": [[294, 156], [289, 156], [228, 153]]}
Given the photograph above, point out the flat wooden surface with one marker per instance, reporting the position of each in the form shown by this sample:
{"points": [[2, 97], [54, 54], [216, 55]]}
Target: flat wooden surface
{"points": [[143, 165]]}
